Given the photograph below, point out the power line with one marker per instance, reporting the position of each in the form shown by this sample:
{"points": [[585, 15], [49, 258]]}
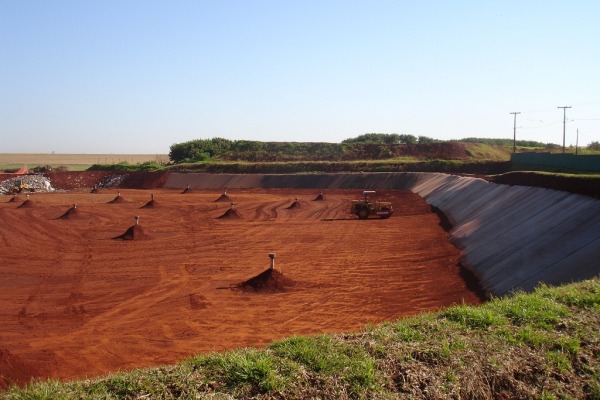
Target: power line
{"points": [[515, 131], [564, 123]]}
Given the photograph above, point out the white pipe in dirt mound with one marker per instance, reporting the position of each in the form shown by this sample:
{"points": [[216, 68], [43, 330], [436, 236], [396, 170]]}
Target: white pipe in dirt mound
{"points": [[512, 237]]}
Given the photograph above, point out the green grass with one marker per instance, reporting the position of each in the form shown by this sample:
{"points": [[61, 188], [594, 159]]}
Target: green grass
{"points": [[55, 167], [544, 345]]}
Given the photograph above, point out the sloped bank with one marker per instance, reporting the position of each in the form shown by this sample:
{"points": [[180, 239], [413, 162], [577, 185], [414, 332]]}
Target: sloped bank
{"points": [[512, 237]]}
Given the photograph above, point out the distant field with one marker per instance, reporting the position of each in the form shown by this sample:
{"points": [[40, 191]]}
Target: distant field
{"points": [[74, 161]]}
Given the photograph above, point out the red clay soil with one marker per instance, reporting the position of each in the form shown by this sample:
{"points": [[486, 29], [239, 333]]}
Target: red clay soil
{"points": [[75, 304], [145, 180], [74, 180]]}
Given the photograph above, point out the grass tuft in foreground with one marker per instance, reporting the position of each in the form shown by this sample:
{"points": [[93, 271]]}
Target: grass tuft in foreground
{"points": [[544, 345]]}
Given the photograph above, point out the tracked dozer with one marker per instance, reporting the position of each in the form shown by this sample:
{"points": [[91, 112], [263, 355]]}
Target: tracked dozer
{"points": [[19, 187], [364, 208]]}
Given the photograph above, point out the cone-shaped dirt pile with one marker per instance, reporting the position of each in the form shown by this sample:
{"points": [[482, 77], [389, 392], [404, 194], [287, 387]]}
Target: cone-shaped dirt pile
{"points": [[13, 199], [269, 281], [150, 204], [232, 213], [135, 232], [117, 199], [26, 204], [94, 190], [319, 197], [71, 213], [187, 190], [295, 204], [223, 197]]}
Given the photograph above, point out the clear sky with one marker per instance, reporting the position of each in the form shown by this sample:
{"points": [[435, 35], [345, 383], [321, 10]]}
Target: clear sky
{"points": [[136, 76]]}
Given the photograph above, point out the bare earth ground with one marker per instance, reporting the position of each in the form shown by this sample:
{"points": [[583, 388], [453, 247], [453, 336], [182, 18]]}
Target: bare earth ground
{"points": [[76, 303]]}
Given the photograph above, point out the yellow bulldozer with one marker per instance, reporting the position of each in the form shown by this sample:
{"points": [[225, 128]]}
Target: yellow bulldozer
{"points": [[364, 208], [19, 187]]}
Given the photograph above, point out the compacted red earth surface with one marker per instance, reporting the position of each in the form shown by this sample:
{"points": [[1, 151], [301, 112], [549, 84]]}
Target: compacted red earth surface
{"points": [[74, 303]]}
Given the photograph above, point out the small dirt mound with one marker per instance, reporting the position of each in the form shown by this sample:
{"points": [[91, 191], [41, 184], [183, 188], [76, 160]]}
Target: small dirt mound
{"points": [[223, 197], [71, 213], [187, 190], [135, 232], [116, 200], [232, 213], [26, 204], [269, 281], [295, 204], [13, 199], [151, 204], [319, 197], [94, 190]]}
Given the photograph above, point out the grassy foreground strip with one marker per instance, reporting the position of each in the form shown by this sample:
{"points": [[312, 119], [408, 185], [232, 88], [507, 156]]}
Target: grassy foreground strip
{"points": [[544, 345]]}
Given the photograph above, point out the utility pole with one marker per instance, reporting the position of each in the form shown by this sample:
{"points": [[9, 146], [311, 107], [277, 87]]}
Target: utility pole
{"points": [[577, 142], [515, 131], [564, 123]]}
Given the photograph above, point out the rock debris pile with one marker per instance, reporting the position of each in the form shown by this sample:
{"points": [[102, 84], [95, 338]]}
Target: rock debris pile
{"points": [[35, 183], [112, 181]]}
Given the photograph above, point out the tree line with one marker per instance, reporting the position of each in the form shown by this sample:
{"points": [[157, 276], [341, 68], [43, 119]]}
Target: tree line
{"points": [[364, 147], [368, 146]]}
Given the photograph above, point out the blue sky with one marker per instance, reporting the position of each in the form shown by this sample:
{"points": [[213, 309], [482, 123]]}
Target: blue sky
{"points": [[138, 76]]}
